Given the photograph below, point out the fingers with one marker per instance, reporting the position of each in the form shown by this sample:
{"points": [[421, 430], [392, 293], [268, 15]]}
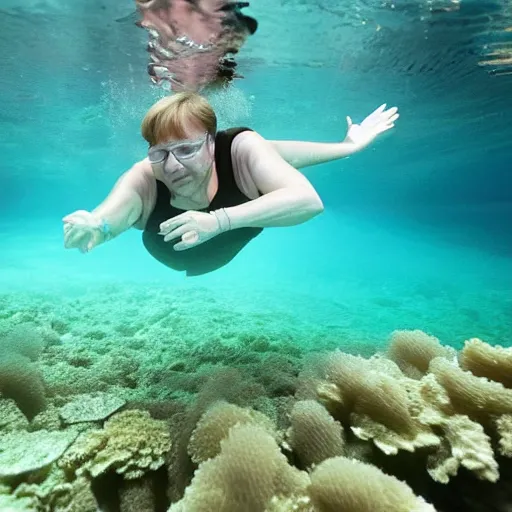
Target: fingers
{"points": [[349, 121], [80, 231], [182, 246], [189, 240], [75, 221], [390, 113], [392, 119], [386, 127], [173, 223], [382, 113], [75, 239], [378, 111], [191, 237], [389, 123], [68, 234], [76, 217], [386, 119], [376, 116], [82, 242], [176, 233], [75, 233]]}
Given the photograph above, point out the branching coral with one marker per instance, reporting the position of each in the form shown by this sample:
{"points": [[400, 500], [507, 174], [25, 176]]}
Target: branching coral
{"points": [[371, 397], [463, 441], [451, 413], [464, 444], [131, 444]]}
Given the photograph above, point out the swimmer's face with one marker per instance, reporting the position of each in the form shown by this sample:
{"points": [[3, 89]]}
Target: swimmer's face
{"points": [[183, 164]]}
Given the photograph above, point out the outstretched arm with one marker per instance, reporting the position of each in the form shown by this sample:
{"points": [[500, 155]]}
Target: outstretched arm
{"points": [[300, 154], [120, 210]]}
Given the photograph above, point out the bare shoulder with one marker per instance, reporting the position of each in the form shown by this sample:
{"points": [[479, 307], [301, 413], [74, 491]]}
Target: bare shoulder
{"points": [[247, 143], [140, 179], [243, 148], [257, 161], [140, 174]]}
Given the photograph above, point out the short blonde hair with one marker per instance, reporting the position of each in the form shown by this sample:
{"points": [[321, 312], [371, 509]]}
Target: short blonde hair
{"points": [[169, 117]]}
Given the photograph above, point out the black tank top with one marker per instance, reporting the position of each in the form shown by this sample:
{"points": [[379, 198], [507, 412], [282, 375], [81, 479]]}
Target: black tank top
{"points": [[217, 251]]}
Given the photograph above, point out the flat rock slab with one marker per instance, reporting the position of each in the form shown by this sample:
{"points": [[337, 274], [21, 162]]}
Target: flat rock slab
{"points": [[90, 407], [25, 452]]}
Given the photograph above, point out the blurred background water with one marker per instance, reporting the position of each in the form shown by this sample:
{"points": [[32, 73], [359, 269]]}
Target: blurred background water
{"points": [[416, 231]]}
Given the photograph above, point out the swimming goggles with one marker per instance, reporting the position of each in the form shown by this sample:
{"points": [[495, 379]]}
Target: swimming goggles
{"points": [[181, 150]]}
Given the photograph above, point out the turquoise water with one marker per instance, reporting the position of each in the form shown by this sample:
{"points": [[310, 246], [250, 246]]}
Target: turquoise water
{"points": [[415, 234]]}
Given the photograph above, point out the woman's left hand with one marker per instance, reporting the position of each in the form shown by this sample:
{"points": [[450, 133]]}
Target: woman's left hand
{"points": [[379, 121], [194, 228]]}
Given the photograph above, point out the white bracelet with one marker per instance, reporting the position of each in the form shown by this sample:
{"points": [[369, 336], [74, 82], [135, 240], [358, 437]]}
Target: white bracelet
{"points": [[223, 219]]}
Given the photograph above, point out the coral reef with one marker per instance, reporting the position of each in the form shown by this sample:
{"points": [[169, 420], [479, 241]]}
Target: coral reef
{"points": [[313, 434], [431, 413], [215, 424], [248, 473], [342, 484], [483, 360], [247, 422], [131, 443]]}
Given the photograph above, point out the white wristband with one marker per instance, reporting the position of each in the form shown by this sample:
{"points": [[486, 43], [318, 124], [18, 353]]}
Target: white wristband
{"points": [[223, 220]]}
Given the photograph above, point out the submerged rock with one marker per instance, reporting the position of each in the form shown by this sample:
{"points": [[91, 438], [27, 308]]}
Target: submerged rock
{"points": [[90, 407], [26, 452]]}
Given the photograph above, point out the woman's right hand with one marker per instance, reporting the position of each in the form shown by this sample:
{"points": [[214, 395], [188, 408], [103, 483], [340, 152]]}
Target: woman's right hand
{"points": [[82, 231]]}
